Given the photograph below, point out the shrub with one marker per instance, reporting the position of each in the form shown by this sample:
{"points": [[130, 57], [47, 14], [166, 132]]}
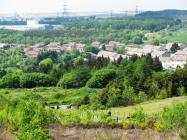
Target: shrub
{"points": [[10, 81], [75, 79], [101, 78], [172, 118], [46, 65], [30, 80], [138, 119], [181, 91]]}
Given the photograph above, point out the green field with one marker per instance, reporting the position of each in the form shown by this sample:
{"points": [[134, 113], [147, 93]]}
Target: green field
{"points": [[52, 95], [150, 107], [178, 36]]}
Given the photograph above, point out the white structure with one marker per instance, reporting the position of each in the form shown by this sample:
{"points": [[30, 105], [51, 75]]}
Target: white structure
{"points": [[111, 55], [178, 59], [134, 51], [34, 24]]}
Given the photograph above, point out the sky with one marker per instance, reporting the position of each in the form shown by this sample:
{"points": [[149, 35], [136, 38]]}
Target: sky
{"points": [[42, 6]]}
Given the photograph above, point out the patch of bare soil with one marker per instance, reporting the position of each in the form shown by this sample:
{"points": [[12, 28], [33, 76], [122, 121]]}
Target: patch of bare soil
{"points": [[59, 132], [5, 135]]}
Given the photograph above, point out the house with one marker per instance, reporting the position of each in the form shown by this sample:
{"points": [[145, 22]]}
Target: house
{"points": [[180, 58], [166, 63], [35, 50], [32, 53], [115, 44], [111, 55], [157, 53], [80, 47], [96, 44], [180, 45], [168, 46], [174, 60], [153, 47], [134, 51], [69, 46], [54, 46]]}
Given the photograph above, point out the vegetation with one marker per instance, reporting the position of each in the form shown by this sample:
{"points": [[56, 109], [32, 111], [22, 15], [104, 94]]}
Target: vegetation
{"points": [[97, 87]]}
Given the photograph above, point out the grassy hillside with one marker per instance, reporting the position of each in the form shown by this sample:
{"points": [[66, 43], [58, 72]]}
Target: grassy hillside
{"points": [[150, 107], [52, 95], [175, 14], [179, 36]]}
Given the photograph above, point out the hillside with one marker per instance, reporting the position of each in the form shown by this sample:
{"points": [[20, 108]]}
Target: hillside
{"points": [[175, 14]]}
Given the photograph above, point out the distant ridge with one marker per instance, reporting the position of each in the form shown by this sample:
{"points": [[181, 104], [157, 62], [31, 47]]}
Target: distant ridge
{"points": [[174, 14]]}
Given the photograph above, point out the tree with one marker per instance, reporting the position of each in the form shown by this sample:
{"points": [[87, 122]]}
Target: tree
{"points": [[2, 73], [174, 47], [157, 64], [75, 79], [31, 80], [156, 42], [47, 54], [101, 78], [92, 49], [10, 80], [46, 65], [137, 40]]}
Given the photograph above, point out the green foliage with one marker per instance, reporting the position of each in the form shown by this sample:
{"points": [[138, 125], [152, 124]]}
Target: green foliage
{"points": [[10, 80], [76, 78], [101, 78], [137, 40], [46, 65], [91, 49], [174, 117], [30, 80], [47, 54]]}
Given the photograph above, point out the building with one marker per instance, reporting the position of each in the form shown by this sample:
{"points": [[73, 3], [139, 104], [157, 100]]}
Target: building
{"points": [[96, 44], [157, 53], [54, 46], [80, 47], [134, 51], [111, 55], [172, 61], [34, 24]]}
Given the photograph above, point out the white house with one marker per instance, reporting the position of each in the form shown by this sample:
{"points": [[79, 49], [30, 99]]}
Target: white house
{"points": [[111, 55], [177, 59], [134, 51]]}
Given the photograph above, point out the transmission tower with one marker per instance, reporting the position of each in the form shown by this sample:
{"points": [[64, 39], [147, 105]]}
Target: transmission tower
{"points": [[64, 8], [137, 10]]}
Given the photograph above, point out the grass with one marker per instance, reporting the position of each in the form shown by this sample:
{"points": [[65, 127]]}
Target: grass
{"points": [[171, 36], [150, 107], [53, 95], [178, 36]]}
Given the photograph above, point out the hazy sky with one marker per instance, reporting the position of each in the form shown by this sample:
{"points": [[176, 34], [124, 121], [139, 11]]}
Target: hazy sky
{"points": [[28, 6]]}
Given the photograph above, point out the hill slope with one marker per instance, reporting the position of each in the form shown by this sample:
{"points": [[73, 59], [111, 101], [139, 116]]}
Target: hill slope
{"points": [[175, 14]]}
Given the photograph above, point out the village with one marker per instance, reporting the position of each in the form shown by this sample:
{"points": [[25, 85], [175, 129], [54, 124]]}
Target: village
{"points": [[171, 55]]}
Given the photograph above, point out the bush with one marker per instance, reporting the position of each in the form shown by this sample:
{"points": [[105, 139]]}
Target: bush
{"points": [[46, 65], [30, 80], [101, 78], [173, 118], [136, 120], [10, 81], [75, 79]]}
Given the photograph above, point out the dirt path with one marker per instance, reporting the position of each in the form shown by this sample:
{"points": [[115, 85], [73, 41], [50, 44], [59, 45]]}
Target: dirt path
{"points": [[5, 135], [74, 133]]}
